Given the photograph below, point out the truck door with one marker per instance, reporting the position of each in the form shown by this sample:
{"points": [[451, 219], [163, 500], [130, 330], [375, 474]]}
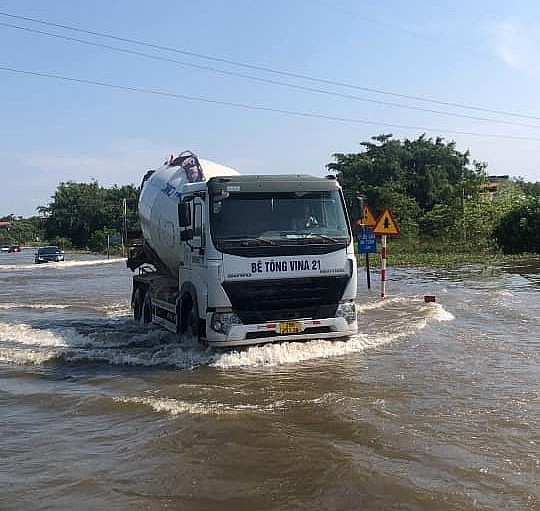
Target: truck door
{"points": [[198, 256], [193, 272], [194, 235]]}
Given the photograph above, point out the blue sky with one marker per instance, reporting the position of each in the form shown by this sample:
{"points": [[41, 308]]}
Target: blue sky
{"points": [[477, 54]]}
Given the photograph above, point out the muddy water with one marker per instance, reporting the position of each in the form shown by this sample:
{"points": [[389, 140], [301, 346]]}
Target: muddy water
{"points": [[432, 406]]}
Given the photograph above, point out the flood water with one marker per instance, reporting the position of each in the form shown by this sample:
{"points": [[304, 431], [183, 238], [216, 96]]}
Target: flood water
{"points": [[432, 406]]}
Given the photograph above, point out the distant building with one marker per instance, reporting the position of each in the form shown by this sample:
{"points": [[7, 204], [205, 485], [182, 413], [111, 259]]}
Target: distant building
{"points": [[493, 184]]}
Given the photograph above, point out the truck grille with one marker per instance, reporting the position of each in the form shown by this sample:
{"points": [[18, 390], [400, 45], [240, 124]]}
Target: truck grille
{"points": [[274, 300]]}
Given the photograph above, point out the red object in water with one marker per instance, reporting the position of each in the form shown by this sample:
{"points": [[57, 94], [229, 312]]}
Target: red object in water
{"points": [[429, 298]]}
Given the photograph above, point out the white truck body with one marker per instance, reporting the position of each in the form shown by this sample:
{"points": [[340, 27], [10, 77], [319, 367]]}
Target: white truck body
{"points": [[237, 260]]}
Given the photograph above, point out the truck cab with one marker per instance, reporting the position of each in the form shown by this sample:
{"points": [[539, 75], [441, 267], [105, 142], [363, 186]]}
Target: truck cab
{"points": [[249, 259]]}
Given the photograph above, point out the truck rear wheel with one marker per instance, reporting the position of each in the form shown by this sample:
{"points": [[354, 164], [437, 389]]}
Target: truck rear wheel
{"points": [[138, 300]]}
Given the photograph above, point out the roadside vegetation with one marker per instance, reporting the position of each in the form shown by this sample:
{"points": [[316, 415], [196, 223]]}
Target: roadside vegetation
{"points": [[447, 209], [444, 204], [80, 216]]}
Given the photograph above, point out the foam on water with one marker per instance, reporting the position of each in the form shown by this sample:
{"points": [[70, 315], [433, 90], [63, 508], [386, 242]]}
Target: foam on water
{"points": [[437, 310], [120, 341], [90, 262], [173, 407], [23, 344], [380, 304], [60, 264], [33, 306], [117, 310], [295, 352], [176, 407], [439, 313], [25, 335]]}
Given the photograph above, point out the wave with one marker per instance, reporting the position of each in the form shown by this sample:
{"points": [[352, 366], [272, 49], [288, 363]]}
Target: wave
{"points": [[174, 407], [60, 265], [296, 352], [120, 309], [121, 341], [380, 304], [32, 306]]}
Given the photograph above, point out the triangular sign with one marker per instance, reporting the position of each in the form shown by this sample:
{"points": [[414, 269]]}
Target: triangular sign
{"points": [[368, 218], [386, 225]]}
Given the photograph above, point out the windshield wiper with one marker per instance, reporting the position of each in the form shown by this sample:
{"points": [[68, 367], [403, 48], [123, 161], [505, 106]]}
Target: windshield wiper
{"points": [[312, 235], [247, 240]]}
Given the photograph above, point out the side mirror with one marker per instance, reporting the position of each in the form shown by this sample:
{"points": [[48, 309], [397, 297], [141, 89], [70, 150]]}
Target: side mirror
{"points": [[184, 214], [186, 235], [221, 195], [197, 242], [357, 211]]}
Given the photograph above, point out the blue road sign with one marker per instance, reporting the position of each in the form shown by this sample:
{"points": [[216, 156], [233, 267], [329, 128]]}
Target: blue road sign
{"points": [[115, 239], [367, 243]]}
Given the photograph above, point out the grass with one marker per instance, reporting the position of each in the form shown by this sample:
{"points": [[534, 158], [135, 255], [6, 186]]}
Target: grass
{"points": [[448, 259]]}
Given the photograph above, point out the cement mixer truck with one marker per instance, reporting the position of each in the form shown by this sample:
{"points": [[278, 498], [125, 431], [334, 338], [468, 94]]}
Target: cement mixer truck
{"points": [[234, 260]]}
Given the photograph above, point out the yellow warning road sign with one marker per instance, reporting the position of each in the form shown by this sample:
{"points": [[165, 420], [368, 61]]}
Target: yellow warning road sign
{"points": [[386, 225], [368, 218]]}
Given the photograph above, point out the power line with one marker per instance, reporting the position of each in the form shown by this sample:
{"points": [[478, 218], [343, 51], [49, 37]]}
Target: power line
{"points": [[265, 80], [274, 71], [260, 108]]}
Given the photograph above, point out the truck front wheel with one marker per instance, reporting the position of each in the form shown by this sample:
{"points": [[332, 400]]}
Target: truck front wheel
{"points": [[138, 300], [147, 308], [192, 326]]}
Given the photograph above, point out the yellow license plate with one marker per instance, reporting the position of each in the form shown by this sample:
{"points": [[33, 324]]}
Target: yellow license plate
{"points": [[290, 327]]}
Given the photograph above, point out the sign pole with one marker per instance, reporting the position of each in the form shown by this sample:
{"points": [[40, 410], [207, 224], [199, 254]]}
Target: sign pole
{"points": [[124, 225], [367, 272], [383, 265], [366, 239], [385, 226]]}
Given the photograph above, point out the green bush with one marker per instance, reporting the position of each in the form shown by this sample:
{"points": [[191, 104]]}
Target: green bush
{"points": [[519, 230]]}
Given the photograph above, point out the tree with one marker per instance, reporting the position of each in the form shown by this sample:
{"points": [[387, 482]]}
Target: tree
{"points": [[424, 181], [528, 188], [23, 230], [519, 229], [78, 210]]}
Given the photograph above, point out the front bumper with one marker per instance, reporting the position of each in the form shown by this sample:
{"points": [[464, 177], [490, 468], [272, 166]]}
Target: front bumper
{"points": [[55, 259], [268, 332]]}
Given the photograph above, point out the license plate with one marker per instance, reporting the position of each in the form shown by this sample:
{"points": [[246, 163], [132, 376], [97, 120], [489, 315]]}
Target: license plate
{"points": [[290, 327]]}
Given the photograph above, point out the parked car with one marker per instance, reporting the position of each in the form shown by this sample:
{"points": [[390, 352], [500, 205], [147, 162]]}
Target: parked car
{"points": [[48, 254], [14, 248], [4, 248]]}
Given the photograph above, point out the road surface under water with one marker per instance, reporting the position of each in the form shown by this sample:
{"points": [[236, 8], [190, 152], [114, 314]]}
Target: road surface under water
{"points": [[432, 406]]}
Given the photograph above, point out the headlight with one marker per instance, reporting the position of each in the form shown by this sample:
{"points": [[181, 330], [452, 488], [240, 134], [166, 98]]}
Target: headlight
{"points": [[222, 322], [347, 311]]}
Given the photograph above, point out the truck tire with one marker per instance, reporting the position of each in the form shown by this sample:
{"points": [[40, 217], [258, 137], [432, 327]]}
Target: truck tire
{"points": [[190, 328], [192, 325], [138, 300], [146, 316]]}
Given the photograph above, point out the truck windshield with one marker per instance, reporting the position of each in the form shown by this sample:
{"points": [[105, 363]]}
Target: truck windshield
{"points": [[280, 218]]}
